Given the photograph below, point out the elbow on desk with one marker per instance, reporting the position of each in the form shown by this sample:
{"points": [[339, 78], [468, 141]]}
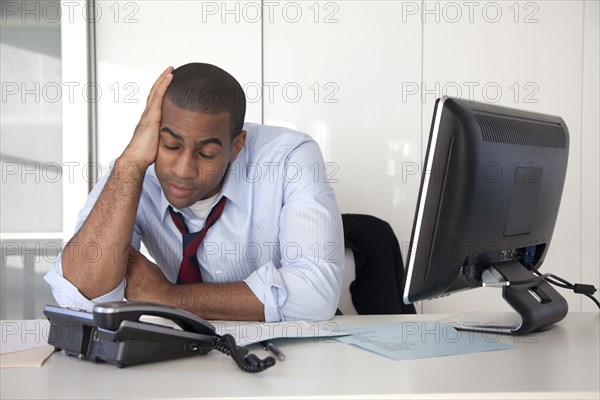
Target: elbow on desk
{"points": [[312, 303], [315, 313]]}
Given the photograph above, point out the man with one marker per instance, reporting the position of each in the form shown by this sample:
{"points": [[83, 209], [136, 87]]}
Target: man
{"points": [[270, 241]]}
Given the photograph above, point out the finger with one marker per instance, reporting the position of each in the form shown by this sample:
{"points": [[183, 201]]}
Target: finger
{"points": [[160, 86], [154, 105], [160, 79]]}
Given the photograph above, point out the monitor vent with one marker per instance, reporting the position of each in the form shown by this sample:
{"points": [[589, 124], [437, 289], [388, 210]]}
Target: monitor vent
{"points": [[520, 131]]}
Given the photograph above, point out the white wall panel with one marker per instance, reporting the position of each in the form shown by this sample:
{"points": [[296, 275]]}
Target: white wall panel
{"points": [[349, 59]]}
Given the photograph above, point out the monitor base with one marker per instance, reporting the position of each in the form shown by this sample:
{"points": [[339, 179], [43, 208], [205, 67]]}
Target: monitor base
{"points": [[537, 305]]}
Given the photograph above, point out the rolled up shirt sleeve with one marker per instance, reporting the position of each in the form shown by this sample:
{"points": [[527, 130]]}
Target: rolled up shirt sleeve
{"points": [[268, 286]]}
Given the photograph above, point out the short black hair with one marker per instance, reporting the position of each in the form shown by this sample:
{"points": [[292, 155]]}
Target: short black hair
{"points": [[206, 88]]}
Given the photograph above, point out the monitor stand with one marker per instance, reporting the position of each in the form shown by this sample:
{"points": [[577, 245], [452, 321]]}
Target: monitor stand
{"points": [[537, 305]]}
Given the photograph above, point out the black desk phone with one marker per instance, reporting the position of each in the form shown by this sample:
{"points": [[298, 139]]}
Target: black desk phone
{"points": [[113, 332]]}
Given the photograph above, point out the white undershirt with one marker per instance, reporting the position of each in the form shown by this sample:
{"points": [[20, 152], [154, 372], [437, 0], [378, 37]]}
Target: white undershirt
{"points": [[201, 208]]}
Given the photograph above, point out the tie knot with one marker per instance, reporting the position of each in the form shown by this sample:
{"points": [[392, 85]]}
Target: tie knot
{"points": [[213, 216]]}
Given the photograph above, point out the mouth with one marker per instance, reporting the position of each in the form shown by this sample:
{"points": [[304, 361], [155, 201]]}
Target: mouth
{"points": [[179, 191]]}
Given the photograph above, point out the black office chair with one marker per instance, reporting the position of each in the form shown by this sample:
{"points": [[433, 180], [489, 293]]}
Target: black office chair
{"points": [[379, 281]]}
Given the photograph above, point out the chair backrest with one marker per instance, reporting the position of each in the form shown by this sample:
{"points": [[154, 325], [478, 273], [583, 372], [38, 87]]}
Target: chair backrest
{"points": [[379, 269]]}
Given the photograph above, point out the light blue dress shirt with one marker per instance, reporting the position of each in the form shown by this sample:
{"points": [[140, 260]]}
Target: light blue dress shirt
{"points": [[281, 230]]}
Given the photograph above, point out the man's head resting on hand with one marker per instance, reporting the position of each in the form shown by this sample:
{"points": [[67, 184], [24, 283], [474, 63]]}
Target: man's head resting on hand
{"points": [[201, 132]]}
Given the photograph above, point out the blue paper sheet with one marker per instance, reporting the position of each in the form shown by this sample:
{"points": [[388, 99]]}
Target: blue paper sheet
{"points": [[419, 339]]}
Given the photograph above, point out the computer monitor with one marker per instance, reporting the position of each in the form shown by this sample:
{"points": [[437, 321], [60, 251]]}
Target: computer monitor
{"points": [[490, 191]]}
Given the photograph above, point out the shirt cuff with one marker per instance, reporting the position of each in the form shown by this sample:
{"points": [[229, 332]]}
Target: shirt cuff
{"points": [[67, 295], [267, 285]]}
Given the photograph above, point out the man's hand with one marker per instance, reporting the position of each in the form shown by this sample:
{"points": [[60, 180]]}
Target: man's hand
{"points": [[145, 281], [143, 146]]}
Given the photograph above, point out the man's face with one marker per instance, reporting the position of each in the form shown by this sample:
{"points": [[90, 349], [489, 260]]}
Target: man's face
{"points": [[194, 151]]}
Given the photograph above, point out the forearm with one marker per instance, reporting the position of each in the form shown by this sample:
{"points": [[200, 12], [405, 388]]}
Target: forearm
{"points": [[214, 301], [95, 259], [108, 229]]}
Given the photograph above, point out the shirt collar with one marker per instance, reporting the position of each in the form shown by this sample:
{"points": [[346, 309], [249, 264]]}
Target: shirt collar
{"points": [[164, 206], [235, 186]]}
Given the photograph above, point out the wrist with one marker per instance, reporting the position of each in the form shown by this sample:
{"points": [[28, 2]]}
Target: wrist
{"points": [[131, 159], [129, 169]]}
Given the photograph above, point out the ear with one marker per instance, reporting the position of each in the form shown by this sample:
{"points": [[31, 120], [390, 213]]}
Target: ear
{"points": [[238, 144]]}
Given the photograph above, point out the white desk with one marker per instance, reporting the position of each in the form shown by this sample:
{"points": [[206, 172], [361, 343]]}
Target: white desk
{"points": [[563, 363]]}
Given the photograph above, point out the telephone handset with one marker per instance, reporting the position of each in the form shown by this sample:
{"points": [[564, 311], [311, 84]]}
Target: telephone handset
{"points": [[110, 315], [114, 333]]}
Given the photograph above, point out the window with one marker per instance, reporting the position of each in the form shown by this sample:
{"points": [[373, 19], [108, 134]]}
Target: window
{"points": [[30, 154]]}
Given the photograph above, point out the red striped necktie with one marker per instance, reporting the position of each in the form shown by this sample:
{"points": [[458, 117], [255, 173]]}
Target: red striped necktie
{"points": [[189, 271]]}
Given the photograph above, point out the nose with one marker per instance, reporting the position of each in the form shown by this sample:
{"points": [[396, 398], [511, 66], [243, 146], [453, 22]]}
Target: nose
{"points": [[184, 166]]}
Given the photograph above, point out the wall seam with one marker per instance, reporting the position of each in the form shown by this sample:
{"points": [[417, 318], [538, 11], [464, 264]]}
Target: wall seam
{"points": [[581, 155]]}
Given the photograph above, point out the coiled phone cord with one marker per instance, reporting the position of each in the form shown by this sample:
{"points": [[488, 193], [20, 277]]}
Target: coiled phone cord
{"points": [[247, 362]]}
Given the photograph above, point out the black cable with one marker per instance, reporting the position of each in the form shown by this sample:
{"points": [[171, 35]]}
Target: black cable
{"points": [[246, 362], [530, 281], [550, 278], [472, 277], [470, 273], [586, 290], [579, 288]]}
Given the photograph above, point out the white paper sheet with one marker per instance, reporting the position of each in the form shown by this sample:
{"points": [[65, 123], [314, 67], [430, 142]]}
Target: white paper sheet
{"points": [[24, 335], [246, 333], [418, 339]]}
